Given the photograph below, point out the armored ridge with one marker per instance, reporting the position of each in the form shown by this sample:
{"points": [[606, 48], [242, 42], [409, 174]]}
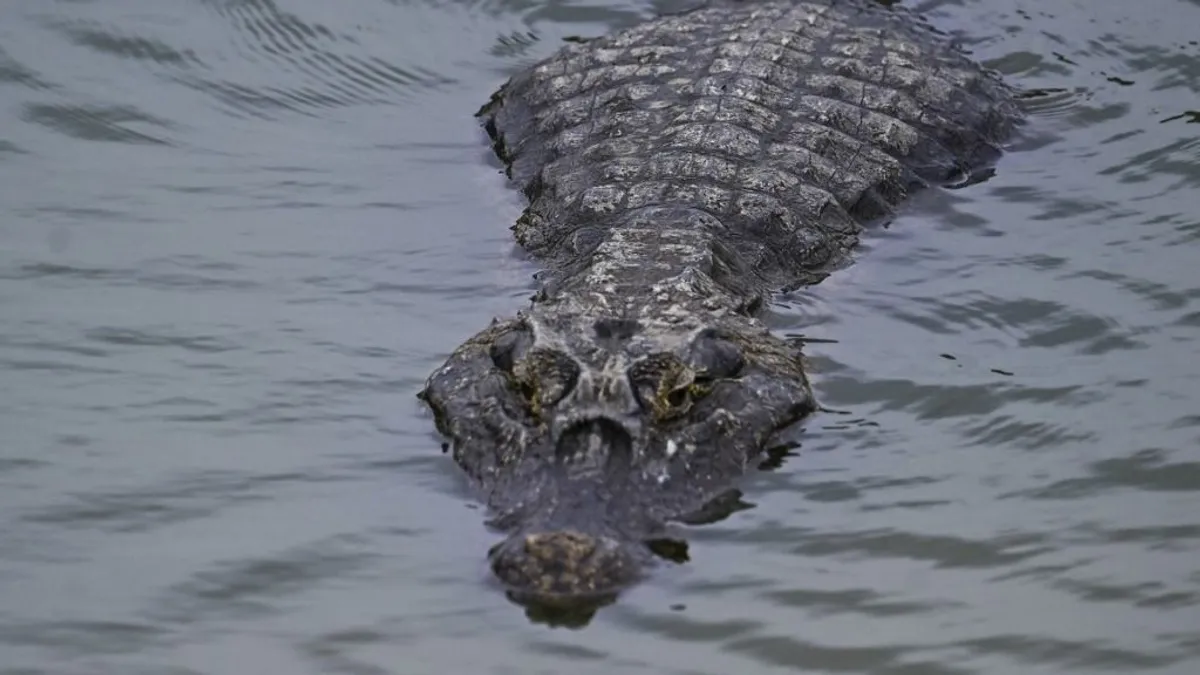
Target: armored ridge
{"points": [[677, 173]]}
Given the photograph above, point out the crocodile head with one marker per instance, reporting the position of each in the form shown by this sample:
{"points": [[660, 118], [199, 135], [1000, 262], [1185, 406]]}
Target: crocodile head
{"points": [[590, 431]]}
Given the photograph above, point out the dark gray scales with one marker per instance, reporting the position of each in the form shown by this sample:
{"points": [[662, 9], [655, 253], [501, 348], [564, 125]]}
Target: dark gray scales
{"points": [[789, 124], [678, 173]]}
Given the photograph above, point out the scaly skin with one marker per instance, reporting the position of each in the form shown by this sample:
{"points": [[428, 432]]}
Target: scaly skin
{"points": [[678, 173]]}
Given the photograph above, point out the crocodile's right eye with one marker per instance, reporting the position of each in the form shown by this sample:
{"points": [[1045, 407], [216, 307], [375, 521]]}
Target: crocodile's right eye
{"points": [[714, 357], [545, 376]]}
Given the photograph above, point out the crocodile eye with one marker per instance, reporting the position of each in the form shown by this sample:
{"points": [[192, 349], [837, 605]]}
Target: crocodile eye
{"points": [[510, 348], [663, 385], [714, 357], [546, 376]]}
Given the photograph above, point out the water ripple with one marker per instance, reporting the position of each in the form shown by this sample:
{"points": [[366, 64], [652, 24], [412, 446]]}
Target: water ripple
{"points": [[791, 652], [162, 337], [7, 147], [821, 603], [144, 276], [253, 587], [214, 320], [308, 49], [1144, 470], [14, 72], [84, 638], [1040, 650], [184, 498], [113, 123], [943, 551], [107, 41]]}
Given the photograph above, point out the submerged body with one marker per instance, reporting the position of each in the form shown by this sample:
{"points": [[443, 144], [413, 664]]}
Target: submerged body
{"points": [[678, 173]]}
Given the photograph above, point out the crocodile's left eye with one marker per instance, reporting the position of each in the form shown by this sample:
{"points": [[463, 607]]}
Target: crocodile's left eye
{"points": [[664, 385]]}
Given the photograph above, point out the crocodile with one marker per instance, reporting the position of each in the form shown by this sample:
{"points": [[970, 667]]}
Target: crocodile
{"points": [[678, 174]]}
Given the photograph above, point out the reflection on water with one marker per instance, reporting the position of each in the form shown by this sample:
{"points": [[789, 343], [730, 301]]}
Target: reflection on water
{"points": [[237, 235]]}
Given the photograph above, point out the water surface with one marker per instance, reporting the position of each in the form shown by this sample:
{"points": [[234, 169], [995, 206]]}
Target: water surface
{"points": [[235, 236]]}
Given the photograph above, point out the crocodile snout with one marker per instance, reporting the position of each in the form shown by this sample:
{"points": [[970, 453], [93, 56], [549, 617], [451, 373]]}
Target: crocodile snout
{"points": [[564, 564]]}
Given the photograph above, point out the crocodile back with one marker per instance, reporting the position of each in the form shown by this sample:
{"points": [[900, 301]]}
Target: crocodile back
{"points": [[781, 126]]}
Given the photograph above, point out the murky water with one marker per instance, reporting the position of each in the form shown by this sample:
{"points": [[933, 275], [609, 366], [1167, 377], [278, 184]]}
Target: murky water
{"points": [[235, 236]]}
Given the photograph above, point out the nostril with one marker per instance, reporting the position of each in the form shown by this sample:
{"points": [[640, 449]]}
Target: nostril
{"points": [[595, 442], [559, 544], [616, 329]]}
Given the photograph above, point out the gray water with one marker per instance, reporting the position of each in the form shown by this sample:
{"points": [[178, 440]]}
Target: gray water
{"points": [[235, 236]]}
